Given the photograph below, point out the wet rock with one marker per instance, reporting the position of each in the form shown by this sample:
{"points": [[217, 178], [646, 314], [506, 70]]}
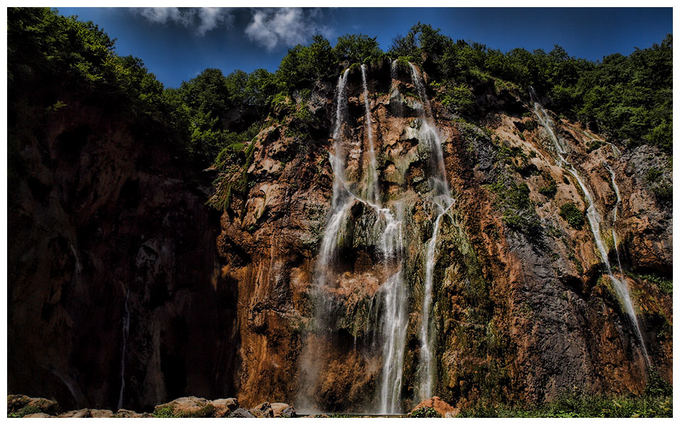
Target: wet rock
{"points": [[263, 410], [283, 410], [241, 413]]}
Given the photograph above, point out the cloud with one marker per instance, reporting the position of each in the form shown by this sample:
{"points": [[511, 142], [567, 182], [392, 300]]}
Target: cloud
{"points": [[287, 26], [202, 19]]}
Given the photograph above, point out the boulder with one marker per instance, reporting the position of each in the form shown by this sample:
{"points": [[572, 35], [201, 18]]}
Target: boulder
{"points": [[263, 410], [22, 405], [81, 413], [125, 413], [101, 413], [241, 413], [185, 407], [38, 415], [283, 410], [224, 406]]}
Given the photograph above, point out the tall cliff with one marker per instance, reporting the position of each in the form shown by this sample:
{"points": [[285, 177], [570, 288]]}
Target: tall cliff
{"points": [[523, 308], [363, 241], [112, 265]]}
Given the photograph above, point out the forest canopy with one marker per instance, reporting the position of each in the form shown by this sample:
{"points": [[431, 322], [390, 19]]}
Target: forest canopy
{"points": [[625, 98]]}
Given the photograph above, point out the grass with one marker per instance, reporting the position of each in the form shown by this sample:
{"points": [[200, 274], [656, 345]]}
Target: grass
{"points": [[646, 406]]}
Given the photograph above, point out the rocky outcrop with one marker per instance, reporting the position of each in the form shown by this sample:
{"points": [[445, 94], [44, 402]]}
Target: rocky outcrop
{"points": [[125, 289], [442, 408], [21, 406], [523, 308]]}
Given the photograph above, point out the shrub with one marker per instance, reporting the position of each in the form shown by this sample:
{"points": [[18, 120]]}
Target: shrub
{"points": [[572, 215], [26, 410], [424, 412], [550, 188]]}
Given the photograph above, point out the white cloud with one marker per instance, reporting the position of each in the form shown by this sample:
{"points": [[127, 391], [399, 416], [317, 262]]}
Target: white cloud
{"points": [[212, 17], [202, 19], [287, 26]]}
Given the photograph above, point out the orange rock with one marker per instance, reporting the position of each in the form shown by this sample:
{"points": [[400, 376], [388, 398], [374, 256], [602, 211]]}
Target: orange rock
{"points": [[444, 409]]}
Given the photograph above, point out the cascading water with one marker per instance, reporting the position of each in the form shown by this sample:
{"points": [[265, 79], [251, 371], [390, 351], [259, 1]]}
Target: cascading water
{"points": [[594, 219], [392, 294], [616, 208], [372, 191], [126, 331], [442, 202], [395, 101]]}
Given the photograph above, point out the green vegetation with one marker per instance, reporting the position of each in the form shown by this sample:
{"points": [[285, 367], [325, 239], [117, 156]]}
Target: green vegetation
{"points": [[574, 216], [656, 401], [646, 406], [26, 410], [55, 62], [659, 185], [425, 412], [550, 188], [664, 284], [164, 412], [519, 213], [169, 411]]}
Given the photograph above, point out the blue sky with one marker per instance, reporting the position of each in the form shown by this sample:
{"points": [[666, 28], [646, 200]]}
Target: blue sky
{"points": [[177, 44]]}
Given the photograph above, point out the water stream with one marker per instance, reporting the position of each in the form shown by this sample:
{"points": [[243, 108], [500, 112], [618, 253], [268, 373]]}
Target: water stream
{"points": [[594, 220], [372, 190], [442, 202], [392, 295]]}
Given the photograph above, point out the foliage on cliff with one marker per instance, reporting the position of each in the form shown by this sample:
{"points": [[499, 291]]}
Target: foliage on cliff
{"points": [[627, 98]]}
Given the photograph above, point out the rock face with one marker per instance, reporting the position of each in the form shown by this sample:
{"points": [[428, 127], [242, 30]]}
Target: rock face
{"points": [[114, 298], [442, 408], [523, 308], [125, 289]]}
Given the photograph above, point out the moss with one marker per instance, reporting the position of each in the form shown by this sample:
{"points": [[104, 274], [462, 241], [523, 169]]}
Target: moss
{"points": [[164, 412], [574, 216], [169, 412], [26, 410]]}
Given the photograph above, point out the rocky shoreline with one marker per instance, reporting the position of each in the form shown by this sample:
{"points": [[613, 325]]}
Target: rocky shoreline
{"points": [[22, 406]]}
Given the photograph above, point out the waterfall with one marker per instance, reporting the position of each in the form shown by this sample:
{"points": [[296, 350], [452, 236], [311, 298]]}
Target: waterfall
{"points": [[616, 208], [442, 202], [620, 286], [392, 295], [395, 101], [126, 331], [372, 190]]}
